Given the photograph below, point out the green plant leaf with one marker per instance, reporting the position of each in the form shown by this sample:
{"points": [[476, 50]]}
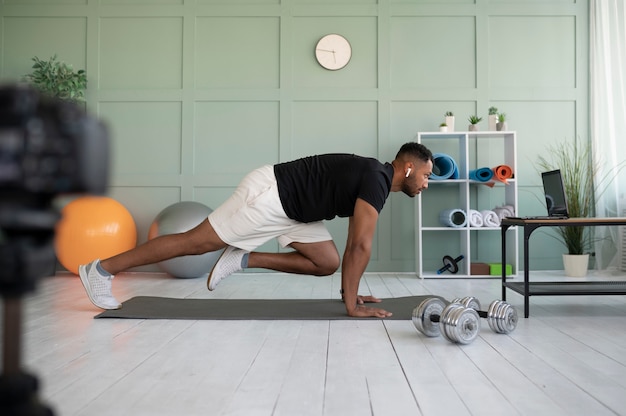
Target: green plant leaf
{"points": [[58, 79]]}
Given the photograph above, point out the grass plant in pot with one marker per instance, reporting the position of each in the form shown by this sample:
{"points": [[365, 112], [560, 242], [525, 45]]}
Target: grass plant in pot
{"points": [[582, 180], [474, 120], [58, 79], [501, 125]]}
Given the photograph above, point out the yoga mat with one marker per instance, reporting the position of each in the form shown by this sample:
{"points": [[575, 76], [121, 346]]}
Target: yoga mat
{"points": [[481, 174], [502, 173], [149, 307], [444, 167], [453, 218]]}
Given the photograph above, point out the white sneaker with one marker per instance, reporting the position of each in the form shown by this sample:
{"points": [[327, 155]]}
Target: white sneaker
{"points": [[98, 287], [228, 263]]}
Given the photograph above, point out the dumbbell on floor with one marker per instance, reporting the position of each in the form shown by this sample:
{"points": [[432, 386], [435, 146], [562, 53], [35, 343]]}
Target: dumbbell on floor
{"points": [[501, 316], [457, 323]]}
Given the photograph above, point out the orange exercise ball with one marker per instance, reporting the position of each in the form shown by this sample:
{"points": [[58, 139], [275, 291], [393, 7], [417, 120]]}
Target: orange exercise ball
{"points": [[92, 228]]}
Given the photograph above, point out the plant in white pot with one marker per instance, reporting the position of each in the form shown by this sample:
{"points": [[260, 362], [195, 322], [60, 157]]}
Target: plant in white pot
{"points": [[492, 118], [449, 120], [580, 172]]}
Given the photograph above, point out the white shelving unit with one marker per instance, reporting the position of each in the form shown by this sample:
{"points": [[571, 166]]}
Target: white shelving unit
{"points": [[470, 150]]}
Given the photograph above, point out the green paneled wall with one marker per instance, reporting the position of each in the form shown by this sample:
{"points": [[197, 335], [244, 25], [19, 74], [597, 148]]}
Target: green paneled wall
{"points": [[197, 93]]}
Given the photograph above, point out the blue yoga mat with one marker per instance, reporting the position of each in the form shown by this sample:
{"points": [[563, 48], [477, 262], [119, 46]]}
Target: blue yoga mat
{"points": [[481, 174], [444, 167]]}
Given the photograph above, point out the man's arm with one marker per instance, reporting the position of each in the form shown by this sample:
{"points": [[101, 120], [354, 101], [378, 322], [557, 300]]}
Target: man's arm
{"points": [[356, 257]]}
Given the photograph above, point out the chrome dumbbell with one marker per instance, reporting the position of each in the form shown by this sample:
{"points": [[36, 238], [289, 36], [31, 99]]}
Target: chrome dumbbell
{"points": [[501, 316], [457, 323]]}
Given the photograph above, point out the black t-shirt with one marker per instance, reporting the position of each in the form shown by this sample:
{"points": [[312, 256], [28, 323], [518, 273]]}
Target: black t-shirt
{"points": [[324, 186]]}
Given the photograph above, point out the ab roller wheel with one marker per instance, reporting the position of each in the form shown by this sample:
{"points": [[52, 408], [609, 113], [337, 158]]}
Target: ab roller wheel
{"points": [[459, 321]]}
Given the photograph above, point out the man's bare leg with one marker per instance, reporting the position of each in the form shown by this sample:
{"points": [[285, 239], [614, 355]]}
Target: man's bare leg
{"points": [[198, 240], [318, 259]]}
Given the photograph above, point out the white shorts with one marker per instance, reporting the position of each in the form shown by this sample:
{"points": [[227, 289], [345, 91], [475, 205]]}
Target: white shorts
{"points": [[254, 215]]}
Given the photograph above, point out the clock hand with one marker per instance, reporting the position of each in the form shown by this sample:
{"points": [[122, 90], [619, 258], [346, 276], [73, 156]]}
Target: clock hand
{"points": [[325, 50]]}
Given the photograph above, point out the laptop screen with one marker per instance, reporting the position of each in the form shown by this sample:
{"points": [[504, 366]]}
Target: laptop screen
{"points": [[555, 193]]}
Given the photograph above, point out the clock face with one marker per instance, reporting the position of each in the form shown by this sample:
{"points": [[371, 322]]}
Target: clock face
{"points": [[333, 52]]}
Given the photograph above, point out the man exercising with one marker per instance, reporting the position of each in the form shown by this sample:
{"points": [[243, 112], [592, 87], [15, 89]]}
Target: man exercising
{"points": [[287, 201]]}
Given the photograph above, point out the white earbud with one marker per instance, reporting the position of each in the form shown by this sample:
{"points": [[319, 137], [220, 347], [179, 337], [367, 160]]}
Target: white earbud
{"points": [[408, 172]]}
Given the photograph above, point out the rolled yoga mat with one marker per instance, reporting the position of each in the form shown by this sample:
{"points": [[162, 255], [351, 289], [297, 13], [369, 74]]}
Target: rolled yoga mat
{"points": [[481, 174], [444, 167], [453, 218], [502, 173]]}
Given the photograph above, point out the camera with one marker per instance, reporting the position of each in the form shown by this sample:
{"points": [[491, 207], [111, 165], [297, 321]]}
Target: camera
{"points": [[48, 147]]}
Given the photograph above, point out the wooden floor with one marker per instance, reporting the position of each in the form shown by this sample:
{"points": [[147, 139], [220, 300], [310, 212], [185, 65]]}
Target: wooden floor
{"points": [[568, 358]]}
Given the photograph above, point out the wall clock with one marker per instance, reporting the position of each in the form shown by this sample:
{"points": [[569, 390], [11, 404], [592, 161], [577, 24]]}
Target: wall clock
{"points": [[333, 51]]}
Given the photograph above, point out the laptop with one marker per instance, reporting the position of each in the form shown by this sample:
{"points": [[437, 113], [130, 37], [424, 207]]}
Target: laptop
{"points": [[554, 192]]}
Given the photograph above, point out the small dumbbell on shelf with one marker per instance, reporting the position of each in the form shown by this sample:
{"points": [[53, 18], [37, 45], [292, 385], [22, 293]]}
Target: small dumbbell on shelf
{"points": [[459, 321]]}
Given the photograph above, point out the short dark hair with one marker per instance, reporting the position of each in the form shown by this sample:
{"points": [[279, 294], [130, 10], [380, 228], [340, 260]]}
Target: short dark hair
{"points": [[415, 150]]}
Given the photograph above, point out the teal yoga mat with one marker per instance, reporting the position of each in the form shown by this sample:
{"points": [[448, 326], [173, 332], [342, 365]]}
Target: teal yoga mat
{"points": [[149, 307], [444, 167], [481, 174]]}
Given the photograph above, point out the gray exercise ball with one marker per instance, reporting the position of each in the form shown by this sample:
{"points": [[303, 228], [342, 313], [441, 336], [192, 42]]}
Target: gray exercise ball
{"points": [[178, 218]]}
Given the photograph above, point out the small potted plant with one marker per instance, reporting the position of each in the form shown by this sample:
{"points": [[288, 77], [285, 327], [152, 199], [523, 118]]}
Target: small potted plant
{"points": [[501, 125], [450, 120], [493, 118], [58, 79], [474, 120], [443, 127]]}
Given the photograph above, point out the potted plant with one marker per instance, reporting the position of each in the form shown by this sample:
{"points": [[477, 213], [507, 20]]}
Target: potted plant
{"points": [[501, 125], [450, 120], [443, 127], [58, 79], [580, 171], [493, 118], [474, 120]]}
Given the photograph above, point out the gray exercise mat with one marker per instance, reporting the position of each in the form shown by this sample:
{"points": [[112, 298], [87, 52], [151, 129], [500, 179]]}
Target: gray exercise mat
{"points": [[148, 307]]}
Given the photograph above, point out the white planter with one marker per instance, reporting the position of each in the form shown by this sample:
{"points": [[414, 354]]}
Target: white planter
{"points": [[576, 264], [443, 129], [450, 122], [493, 121], [472, 127]]}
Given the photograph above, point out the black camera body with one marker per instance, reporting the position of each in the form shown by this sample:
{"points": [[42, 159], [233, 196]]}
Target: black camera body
{"points": [[48, 147]]}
